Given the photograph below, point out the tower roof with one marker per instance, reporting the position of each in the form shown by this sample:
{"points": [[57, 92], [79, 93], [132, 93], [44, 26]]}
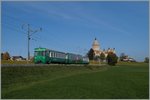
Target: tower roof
{"points": [[95, 42], [95, 45]]}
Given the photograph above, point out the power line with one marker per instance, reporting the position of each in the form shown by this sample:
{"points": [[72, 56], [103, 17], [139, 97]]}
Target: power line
{"points": [[53, 36], [30, 32], [14, 19], [12, 28]]}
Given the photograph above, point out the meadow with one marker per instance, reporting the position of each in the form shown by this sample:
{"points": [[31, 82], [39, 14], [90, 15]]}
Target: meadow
{"points": [[123, 81]]}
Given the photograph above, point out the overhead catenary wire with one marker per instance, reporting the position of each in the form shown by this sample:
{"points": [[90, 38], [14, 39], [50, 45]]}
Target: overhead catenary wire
{"points": [[38, 37], [21, 21], [12, 28]]}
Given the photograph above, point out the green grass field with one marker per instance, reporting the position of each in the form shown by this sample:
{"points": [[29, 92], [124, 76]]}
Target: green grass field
{"points": [[123, 81]]}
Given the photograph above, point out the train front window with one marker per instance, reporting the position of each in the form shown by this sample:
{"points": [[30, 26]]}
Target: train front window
{"points": [[39, 53], [35, 53]]}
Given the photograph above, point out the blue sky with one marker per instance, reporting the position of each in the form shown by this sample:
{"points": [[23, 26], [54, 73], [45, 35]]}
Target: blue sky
{"points": [[72, 26]]}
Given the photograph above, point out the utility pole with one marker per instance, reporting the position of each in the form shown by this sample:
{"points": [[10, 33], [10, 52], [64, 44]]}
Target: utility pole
{"points": [[28, 42], [30, 32]]}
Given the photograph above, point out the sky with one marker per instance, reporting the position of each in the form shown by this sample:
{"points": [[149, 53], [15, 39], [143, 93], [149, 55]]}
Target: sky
{"points": [[73, 26]]}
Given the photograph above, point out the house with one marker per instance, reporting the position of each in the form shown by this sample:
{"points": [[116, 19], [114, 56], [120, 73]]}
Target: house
{"points": [[129, 59], [17, 58]]}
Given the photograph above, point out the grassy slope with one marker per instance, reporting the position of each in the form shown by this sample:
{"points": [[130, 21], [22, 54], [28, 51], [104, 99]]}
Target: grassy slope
{"points": [[122, 81]]}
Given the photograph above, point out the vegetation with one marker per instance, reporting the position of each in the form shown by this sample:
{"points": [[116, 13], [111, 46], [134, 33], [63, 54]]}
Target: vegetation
{"points": [[102, 56], [122, 56], [15, 62], [112, 58], [5, 56], [126, 58], [94, 62], [90, 54], [97, 58], [123, 81], [146, 60]]}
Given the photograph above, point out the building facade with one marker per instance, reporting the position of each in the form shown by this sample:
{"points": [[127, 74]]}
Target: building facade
{"points": [[98, 51]]}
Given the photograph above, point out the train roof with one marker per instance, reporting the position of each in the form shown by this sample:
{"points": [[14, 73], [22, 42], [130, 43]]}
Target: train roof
{"points": [[74, 54], [40, 49]]}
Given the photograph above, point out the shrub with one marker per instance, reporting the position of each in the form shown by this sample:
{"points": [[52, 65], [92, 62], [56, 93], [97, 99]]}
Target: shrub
{"points": [[112, 59], [102, 56], [146, 60], [90, 54]]}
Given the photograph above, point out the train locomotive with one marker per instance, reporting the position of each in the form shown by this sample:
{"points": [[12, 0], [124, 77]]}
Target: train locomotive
{"points": [[47, 56]]}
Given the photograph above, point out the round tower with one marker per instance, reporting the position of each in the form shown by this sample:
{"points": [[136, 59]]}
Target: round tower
{"points": [[95, 45]]}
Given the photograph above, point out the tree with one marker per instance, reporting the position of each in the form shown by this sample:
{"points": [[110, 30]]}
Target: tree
{"points": [[5, 56], [122, 56], [112, 59], [146, 60], [1, 56], [97, 58], [90, 54], [102, 56]]}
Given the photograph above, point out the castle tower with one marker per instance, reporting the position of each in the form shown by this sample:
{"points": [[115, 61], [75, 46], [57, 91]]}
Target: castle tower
{"points": [[95, 45]]}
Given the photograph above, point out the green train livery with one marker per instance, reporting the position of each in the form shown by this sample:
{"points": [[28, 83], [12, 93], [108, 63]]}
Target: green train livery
{"points": [[46, 56]]}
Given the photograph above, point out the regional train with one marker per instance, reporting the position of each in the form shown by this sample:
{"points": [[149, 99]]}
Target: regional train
{"points": [[47, 56]]}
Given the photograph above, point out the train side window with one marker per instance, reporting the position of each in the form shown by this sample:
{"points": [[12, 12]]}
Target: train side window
{"points": [[35, 53], [58, 55], [49, 54], [54, 54], [64, 55], [67, 56], [43, 53]]}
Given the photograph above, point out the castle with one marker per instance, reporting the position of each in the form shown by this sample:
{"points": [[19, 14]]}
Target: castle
{"points": [[98, 51]]}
